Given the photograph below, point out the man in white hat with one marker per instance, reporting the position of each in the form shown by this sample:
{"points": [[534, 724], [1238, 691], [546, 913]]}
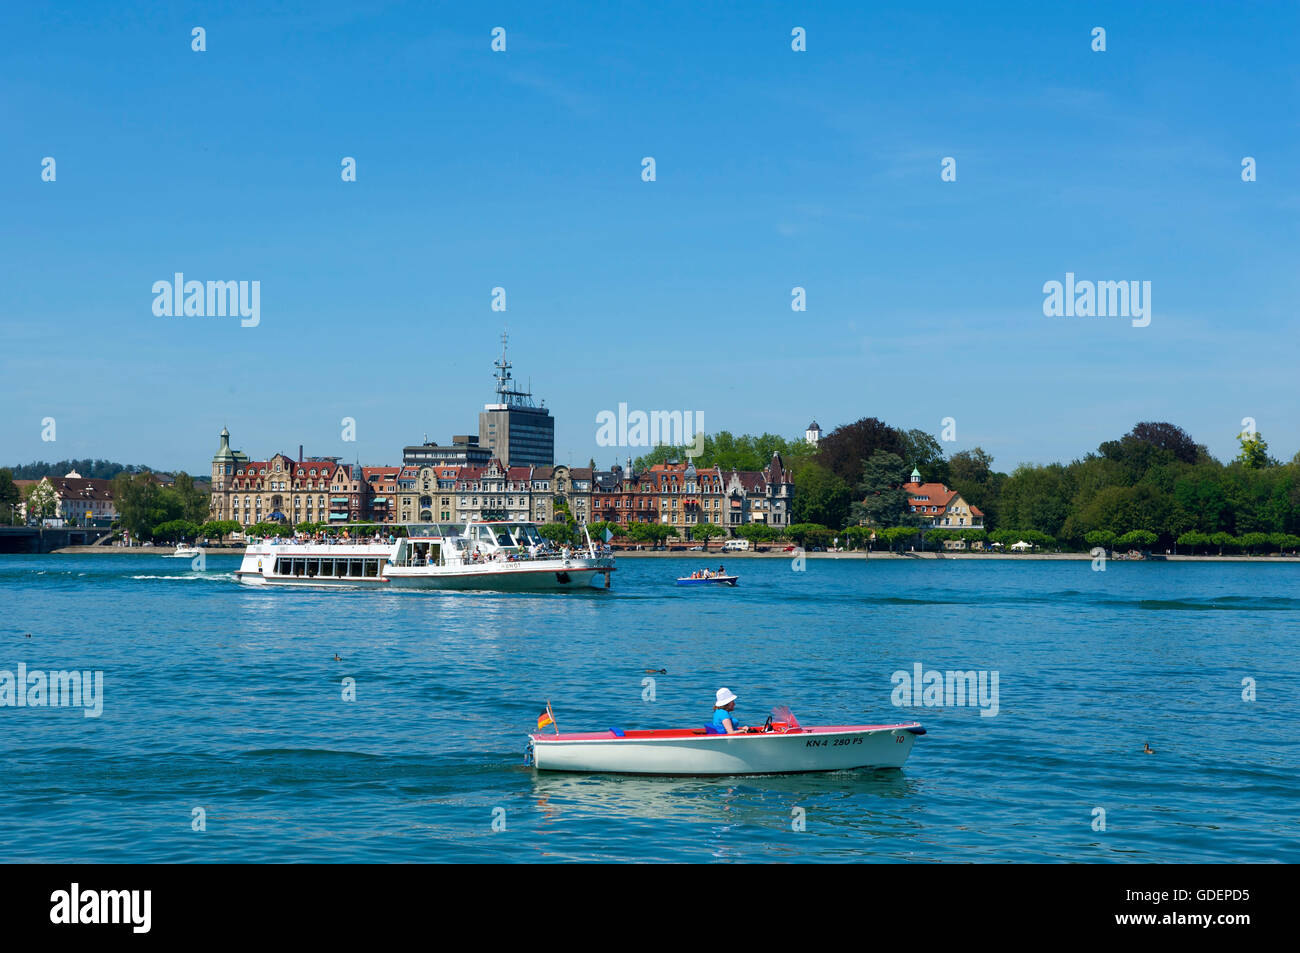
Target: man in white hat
{"points": [[723, 718]]}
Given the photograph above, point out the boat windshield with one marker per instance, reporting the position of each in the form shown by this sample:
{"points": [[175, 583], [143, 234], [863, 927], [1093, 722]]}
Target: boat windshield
{"points": [[524, 534], [783, 713]]}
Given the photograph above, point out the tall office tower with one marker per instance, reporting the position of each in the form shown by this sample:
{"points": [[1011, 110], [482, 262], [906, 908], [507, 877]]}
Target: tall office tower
{"points": [[516, 430]]}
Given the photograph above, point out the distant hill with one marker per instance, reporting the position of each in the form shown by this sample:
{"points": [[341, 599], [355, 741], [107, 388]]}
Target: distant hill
{"points": [[90, 469]]}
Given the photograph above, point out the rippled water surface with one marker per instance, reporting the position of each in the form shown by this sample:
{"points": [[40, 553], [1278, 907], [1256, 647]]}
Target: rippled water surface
{"points": [[228, 699]]}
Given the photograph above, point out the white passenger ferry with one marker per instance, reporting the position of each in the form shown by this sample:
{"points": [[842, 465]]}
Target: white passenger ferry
{"points": [[507, 556]]}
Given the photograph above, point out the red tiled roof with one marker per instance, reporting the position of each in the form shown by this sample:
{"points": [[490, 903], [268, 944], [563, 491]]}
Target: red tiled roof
{"points": [[936, 494]]}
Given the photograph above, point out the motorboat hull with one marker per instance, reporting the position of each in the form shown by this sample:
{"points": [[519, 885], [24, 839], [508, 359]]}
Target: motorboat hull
{"points": [[707, 581], [688, 752]]}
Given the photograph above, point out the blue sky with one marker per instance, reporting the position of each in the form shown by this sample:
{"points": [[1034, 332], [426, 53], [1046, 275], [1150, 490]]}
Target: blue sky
{"points": [[522, 169]]}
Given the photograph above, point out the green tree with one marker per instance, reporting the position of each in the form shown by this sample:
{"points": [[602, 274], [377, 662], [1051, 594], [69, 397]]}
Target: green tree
{"points": [[1254, 451], [193, 502], [1252, 542], [175, 531], [597, 530], [10, 496], [1222, 539], [139, 503], [727, 451], [1137, 537], [1193, 538], [923, 451], [41, 500], [802, 533], [856, 537], [844, 450], [223, 528], [557, 532], [893, 535], [820, 496], [883, 500], [1100, 537], [971, 474], [707, 531], [1038, 498], [268, 528]]}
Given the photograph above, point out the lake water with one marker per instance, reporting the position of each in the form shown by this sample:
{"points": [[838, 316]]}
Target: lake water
{"points": [[227, 699]]}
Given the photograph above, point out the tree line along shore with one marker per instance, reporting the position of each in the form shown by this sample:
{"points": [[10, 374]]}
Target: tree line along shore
{"points": [[1154, 489]]}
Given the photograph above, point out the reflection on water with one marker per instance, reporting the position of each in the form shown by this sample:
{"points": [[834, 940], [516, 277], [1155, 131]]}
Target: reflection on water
{"points": [[750, 799]]}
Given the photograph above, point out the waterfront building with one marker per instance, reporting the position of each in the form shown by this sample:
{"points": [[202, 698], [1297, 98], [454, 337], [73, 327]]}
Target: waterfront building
{"points": [[310, 490], [279, 489], [494, 492], [348, 495], [613, 494], [78, 500], [571, 487], [686, 497], [464, 450], [937, 506], [427, 494], [514, 429], [760, 496], [743, 490], [778, 499], [383, 492], [813, 434]]}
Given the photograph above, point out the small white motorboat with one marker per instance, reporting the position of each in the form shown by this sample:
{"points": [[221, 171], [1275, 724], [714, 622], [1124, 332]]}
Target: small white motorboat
{"points": [[183, 551], [779, 747]]}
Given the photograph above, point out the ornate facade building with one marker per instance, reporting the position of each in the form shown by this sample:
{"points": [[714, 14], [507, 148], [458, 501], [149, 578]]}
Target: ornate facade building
{"points": [[314, 490], [323, 490], [679, 495]]}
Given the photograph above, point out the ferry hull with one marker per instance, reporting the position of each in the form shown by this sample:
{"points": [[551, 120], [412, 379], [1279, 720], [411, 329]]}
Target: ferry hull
{"points": [[530, 580], [523, 577], [682, 753], [497, 556]]}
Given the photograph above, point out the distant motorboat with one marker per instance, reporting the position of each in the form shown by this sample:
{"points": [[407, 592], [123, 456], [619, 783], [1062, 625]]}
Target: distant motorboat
{"points": [[707, 580], [183, 551]]}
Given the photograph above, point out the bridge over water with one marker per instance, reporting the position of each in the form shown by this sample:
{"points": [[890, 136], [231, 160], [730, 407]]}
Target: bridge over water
{"points": [[40, 539]]}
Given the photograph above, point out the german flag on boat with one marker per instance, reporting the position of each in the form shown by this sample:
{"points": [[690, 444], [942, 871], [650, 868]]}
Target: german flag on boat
{"points": [[547, 718]]}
